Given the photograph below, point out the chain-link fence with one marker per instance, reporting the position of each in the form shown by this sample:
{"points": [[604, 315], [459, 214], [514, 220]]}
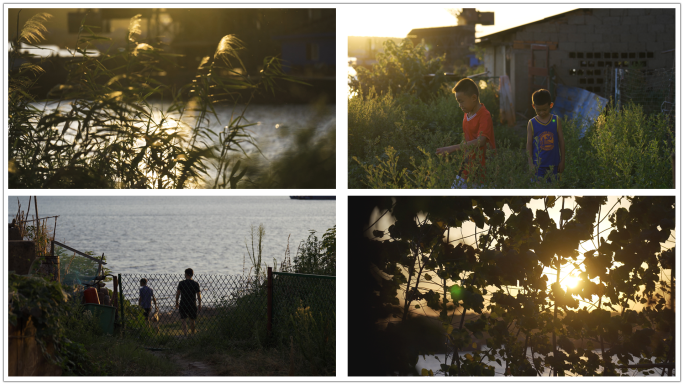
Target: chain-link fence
{"points": [[303, 316], [653, 89], [300, 297], [233, 307]]}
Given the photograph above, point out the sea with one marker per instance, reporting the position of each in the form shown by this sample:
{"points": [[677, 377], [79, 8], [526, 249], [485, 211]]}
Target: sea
{"points": [[167, 234]]}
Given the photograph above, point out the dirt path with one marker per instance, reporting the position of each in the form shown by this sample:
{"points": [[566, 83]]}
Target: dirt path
{"points": [[188, 367]]}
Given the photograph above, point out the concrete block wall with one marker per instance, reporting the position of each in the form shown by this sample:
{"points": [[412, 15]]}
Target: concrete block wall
{"points": [[630, 30]]}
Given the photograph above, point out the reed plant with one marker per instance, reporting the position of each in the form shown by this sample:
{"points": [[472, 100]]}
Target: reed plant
{"points": [[104, 126]]}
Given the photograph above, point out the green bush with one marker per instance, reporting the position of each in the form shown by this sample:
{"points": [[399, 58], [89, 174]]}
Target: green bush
{"points": [[392, 141], [400, 69], [317, 257]]}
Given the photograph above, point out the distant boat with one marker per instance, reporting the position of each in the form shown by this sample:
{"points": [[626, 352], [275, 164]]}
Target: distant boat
{"points": [[312, 197]]}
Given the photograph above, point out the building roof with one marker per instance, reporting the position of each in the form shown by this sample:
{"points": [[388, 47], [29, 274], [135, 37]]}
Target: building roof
{"points": [[441, 30], [486, 38]]}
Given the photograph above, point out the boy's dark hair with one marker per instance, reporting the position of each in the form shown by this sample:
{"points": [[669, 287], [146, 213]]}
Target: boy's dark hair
{"points": [[467, 86], [143, 281], [189, 272], [541, 97]]}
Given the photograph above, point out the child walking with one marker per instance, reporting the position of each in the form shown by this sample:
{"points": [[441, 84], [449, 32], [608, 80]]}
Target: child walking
{"points": [[478, 128], [545, 142]]}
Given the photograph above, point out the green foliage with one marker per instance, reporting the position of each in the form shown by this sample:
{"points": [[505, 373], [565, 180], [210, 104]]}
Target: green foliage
{"points": [[314, 338], [310, 151], [392, 142], [73, 268], [101, 130], [400, 69], [317, 257], [45, 305], [500, 281]]}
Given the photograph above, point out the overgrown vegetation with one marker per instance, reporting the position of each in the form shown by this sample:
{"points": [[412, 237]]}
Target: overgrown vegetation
{"points": [[114, 124], [396, 124], [81, 348], [491, 275]]}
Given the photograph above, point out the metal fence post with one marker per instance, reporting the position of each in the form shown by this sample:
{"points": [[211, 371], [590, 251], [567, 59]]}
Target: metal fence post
{"points": [[269, 300], [618, 73], [122, 304]]}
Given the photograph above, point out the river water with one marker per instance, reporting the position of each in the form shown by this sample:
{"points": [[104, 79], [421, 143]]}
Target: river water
{"points": [[433, 362], [166, 234], [273, 127]]}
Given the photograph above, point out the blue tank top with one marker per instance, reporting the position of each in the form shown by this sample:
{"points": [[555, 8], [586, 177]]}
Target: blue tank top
{"points": [[546, 150]]}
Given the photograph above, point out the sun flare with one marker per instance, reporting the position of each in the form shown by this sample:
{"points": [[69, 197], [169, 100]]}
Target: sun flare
{"points": [[570, 282]]}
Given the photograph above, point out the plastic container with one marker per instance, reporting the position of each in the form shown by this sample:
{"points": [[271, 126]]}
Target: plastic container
{"points": [[105, 316], [90, 296]]}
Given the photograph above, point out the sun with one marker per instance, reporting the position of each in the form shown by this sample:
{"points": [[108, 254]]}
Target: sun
{"points": [[570, 282]]}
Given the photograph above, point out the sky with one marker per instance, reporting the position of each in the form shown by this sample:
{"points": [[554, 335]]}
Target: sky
{"points": [[397, 20]]}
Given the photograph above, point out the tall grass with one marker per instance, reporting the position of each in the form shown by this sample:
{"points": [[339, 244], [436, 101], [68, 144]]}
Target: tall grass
{"points": [[392, 141], [100, 128]]}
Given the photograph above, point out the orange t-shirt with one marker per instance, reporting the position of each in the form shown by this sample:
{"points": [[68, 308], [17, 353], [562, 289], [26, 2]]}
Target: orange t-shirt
{"points": [[480, 124]]}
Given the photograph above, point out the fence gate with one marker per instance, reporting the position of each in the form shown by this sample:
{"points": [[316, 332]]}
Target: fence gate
{"points": [[233, 307], [300, 300]]}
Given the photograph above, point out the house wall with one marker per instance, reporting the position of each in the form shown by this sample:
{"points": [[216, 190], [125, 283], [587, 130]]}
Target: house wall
{"points": [[591, 43], [490, 60]]}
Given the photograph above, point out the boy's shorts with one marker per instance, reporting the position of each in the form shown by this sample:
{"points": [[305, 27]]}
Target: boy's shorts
{"points": [[146, 313], [541, 174]]}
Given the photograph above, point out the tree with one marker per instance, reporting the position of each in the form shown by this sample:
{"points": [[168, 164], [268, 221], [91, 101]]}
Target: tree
{"points": [[401, 69], [500, 282]]}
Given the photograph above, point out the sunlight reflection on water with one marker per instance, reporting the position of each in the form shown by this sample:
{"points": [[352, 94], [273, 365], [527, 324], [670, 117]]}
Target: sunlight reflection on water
{"points": [[430, 362]]}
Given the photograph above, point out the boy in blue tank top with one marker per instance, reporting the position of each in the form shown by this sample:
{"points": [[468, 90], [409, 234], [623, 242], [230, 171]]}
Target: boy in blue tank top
{"points": [[545, 143]]}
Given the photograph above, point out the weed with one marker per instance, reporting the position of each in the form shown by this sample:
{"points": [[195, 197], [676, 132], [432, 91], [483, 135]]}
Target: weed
{"points": [[392, 142]]}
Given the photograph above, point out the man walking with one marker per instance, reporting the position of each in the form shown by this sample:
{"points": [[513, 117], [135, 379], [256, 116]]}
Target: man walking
{"points": [[189, 307]]}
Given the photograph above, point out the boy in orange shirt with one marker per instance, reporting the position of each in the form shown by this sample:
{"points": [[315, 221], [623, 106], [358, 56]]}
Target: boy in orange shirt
{"points": [[478, 128]]}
